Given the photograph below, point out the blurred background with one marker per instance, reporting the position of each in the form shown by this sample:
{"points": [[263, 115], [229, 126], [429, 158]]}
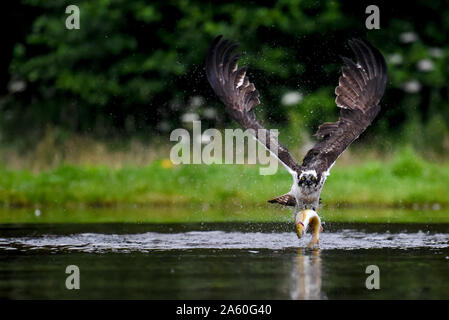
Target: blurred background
{"points": [[86, 179], [77, 104]]}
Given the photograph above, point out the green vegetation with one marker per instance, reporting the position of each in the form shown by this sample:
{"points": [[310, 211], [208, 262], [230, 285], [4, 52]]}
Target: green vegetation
{"points": [[165, 193], [201, 214], [134, 69], [136, 66]]}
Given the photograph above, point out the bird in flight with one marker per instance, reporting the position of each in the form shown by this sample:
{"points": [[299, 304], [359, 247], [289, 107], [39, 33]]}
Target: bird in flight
{"points": [[359, 91]]}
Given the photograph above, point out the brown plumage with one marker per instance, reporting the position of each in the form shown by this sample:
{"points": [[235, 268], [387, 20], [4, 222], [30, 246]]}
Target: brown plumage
{"points": [[361, 86], [239, 95], [285, 200]]}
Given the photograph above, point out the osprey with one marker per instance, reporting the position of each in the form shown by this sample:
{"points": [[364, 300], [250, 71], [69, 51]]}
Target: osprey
{"points": [[361, 86]]}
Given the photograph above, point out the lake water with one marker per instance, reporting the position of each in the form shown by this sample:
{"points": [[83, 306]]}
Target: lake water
{"points": [[223, 261]]}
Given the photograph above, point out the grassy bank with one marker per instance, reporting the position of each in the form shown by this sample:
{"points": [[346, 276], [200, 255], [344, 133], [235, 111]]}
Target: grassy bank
{"points": [[201, 214], [405, 181]]}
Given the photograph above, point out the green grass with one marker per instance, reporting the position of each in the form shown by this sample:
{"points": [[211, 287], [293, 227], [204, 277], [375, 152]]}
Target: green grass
{"points": [[216, 190], [198, 214], [404, 181]]}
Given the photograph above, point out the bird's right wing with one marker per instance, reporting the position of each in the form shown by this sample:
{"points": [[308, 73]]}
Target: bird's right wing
{"points": [[240, 97], [360, 89]]}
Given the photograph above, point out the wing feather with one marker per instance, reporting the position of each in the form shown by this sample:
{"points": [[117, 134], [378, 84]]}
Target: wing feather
{"points": [[239, 95], [285, 200], [361, 86]]}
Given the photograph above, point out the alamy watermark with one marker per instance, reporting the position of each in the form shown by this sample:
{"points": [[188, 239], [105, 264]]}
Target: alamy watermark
{"points": [[73, 20], [372, 281], [207, 147], [373, 20], [73, 280]]}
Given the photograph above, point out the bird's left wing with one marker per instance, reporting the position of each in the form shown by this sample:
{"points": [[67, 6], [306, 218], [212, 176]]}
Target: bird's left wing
{"points": [[360, 89], [240, 97]]}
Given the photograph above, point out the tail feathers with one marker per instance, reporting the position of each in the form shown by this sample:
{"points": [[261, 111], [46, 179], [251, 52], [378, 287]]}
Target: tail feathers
{"points": [[285, 200]]}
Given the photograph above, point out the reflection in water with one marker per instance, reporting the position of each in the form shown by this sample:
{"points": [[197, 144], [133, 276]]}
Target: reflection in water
{"points": [[305, 282]]}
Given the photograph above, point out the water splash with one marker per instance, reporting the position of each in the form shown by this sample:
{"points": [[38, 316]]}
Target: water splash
{"points": [[347, 239]]}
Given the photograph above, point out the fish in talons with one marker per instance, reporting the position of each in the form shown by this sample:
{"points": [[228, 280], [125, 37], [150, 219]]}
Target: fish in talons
{"points": [[306, 219]]}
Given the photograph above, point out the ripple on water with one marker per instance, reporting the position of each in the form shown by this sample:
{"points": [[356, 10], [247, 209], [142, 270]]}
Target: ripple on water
{"points": [[345, 239]]}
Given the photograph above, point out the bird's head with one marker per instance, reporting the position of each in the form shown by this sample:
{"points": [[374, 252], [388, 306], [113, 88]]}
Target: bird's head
{"points": [[308, 178], [308, 219]]}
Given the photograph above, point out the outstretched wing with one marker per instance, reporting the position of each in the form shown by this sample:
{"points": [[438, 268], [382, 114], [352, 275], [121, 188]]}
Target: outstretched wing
{"points": [[360, 89], [240, 96]]}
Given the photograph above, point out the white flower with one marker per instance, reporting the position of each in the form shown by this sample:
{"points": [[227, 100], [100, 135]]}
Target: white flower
{"points": [[408, 37], [291, 98], [16, 86], [425, 65], [395, 58], [210, 113], [189, 117], [412, 86]]}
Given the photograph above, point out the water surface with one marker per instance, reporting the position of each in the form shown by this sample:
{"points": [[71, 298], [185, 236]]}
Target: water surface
{"points": [[223, 261]]}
